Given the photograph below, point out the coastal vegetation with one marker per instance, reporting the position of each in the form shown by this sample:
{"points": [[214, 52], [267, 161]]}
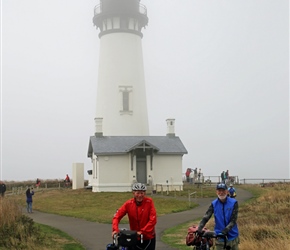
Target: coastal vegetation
{"points": [[18, 231], [263, 220]]}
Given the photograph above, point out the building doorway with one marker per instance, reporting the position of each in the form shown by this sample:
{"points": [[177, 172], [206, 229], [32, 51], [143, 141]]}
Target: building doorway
{"points": [[141, 170]]}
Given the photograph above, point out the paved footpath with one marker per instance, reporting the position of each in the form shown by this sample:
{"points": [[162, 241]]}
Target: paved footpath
{"points": [[95, 236]]}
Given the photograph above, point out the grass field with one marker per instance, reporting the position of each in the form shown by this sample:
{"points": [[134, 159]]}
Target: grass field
{"points": [[263, 221], [100, 207]]}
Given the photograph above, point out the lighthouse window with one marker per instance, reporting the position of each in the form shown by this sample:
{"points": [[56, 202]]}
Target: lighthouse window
{"points": [[125, 99]]}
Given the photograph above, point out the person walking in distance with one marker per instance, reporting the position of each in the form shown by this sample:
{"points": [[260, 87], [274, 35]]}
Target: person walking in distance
{"points": [[142, 217], [2, 188], [29, 194], [225, 210]]}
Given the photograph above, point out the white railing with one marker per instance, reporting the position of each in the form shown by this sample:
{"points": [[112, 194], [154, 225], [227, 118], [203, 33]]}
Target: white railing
{"points": [[189, 195], [263, 180]]}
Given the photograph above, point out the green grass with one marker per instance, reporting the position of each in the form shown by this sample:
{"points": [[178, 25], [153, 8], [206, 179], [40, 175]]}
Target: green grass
{"points": [[96, 207], [56, 239], [99, 207]]}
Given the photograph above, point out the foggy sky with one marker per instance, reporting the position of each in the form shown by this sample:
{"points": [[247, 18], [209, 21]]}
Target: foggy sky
{"points": [[220, 68]]}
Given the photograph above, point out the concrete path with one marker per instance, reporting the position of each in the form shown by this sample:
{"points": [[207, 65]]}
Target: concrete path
{"points": [[95, 236]]}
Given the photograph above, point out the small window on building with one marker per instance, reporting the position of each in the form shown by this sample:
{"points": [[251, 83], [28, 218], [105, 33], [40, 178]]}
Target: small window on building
{"points": [[125, 101], [126, 93]]}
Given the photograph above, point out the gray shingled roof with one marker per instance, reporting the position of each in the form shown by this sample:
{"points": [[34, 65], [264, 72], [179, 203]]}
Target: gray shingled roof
{"points": [[109, 145]]}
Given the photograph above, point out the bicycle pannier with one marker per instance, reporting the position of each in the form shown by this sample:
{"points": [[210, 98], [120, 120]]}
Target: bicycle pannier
{"points": [[127, 238], [192, 240]]}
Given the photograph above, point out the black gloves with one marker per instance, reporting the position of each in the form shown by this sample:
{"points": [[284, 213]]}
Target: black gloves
{"points": [[199, 232], [225, 231]]}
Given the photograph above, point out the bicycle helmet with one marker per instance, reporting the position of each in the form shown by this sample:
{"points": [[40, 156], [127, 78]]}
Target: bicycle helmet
{"points": [[139, 187]]}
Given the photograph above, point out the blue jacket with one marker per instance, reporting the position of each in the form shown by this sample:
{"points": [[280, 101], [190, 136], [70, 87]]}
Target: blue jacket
{"points": [[231, 190], [29, 196], [222, 215]]}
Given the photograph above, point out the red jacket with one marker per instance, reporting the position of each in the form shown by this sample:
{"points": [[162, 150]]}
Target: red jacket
{"points": [[141, 218]]}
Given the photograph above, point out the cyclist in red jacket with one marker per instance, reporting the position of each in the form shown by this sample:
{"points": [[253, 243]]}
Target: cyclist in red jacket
{"points": [[142, 217]]}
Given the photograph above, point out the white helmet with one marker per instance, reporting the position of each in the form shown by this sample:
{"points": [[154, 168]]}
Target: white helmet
{"points": [[139, 187]]}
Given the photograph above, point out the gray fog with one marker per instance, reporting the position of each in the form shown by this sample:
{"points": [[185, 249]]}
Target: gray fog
{"points": [[220, 68]]}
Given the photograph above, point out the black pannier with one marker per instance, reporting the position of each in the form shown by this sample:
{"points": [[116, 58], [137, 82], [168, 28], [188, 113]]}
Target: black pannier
{"points": [[127, 238]]}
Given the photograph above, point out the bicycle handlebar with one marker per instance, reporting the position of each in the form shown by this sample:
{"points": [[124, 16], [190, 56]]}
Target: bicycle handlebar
{"points": [[211, 234]]}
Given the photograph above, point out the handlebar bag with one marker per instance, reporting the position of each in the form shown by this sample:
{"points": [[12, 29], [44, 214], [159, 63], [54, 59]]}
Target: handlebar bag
{"points": [[127, 238]]}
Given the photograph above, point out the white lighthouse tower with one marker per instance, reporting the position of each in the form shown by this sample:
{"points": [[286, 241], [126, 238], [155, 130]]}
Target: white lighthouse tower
{"points": [[121, 93], [121, 150]]}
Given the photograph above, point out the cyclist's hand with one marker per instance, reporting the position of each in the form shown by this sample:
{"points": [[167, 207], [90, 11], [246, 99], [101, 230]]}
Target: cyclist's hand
{"points": [[139, 232], [225, 231], [114, 233], [222, 236], [199, 232]]}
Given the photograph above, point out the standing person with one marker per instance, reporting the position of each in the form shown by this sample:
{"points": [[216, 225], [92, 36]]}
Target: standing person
{"points": [[223, 176], [195, 174], [191, 177], [225, 210], [226, 176], [2, 188], [142, 217], [232, 191], [29, 194], [188, 171], [199, 174]]}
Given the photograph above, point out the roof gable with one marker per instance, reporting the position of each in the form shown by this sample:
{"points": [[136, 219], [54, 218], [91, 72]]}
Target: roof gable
{"points": [[143, 145]]}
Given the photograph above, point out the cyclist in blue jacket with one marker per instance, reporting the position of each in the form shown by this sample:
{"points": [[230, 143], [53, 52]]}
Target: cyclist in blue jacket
{"points": [[232, 191], [225, 210]]}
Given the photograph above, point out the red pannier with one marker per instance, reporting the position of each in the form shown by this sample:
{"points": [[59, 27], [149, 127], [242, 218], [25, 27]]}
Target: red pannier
{"points": [[192, 239]]}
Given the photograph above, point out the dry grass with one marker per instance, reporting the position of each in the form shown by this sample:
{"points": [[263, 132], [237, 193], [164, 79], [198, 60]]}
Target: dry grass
{"points": [[9, 212], [17, 231], [263, 222]]}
